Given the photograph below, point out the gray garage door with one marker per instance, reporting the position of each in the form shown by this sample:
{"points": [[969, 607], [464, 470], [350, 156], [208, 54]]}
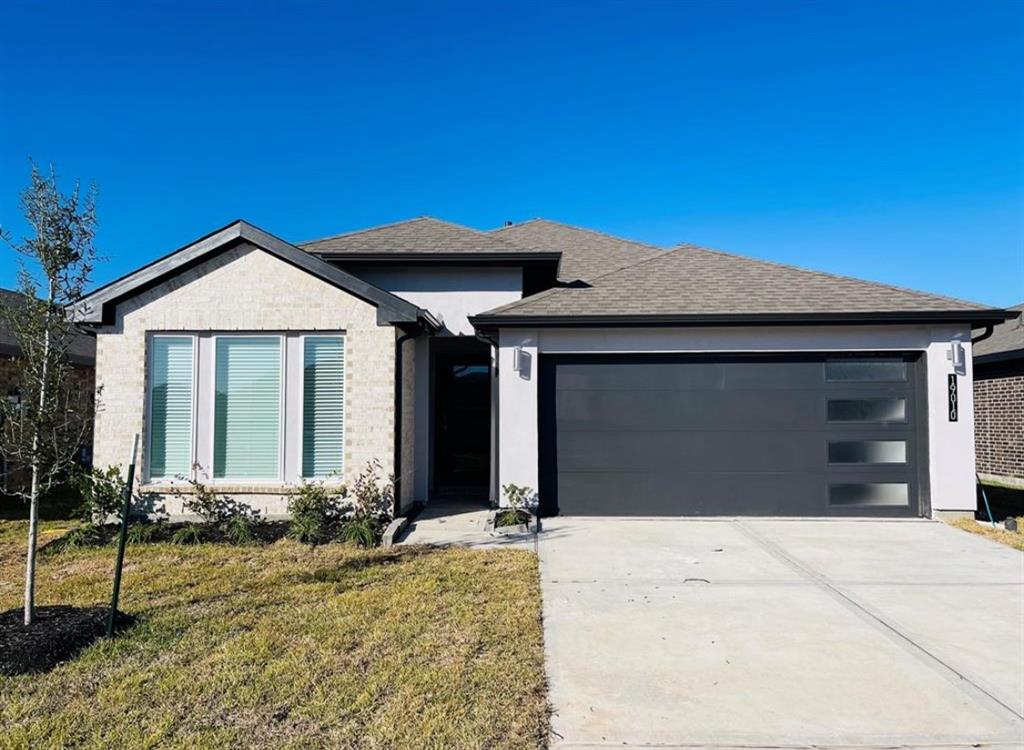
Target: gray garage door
{"points": [[669, 435]]}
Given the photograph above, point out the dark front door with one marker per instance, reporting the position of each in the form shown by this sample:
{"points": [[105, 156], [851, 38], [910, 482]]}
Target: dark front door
{"points": [[814, 435], [462, 423]]}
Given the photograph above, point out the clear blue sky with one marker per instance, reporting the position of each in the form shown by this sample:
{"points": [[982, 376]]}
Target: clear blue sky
{"points": [[879, 139]]}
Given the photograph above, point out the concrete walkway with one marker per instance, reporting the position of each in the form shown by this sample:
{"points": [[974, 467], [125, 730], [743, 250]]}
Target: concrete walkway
{"points": [[771, 633], [454, 523]]}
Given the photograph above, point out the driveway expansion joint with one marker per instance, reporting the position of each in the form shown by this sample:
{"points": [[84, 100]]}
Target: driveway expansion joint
{"points": [[897, 636]]}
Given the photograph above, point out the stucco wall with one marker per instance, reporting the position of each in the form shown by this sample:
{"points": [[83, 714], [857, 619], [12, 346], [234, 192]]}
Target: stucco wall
{"points": [[246, 289], [450, 294], [950, 444]]}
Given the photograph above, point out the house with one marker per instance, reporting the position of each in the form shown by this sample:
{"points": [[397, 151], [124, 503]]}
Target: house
{"points": [[609, 376], [999, 404], [81, 355]]}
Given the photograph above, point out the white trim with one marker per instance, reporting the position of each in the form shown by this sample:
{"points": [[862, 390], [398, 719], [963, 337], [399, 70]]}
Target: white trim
{"points": [[300, 475], [279, 477], [148, 425]]}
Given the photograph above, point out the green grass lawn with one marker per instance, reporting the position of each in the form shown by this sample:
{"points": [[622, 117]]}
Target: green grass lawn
{"points": [[287, 647]]}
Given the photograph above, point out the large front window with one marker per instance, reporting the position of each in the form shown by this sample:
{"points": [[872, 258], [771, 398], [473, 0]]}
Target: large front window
{"points": [[249, 408]]}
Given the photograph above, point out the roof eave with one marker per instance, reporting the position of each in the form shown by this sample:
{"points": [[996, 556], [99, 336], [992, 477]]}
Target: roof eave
{"points": [[972, 317]]}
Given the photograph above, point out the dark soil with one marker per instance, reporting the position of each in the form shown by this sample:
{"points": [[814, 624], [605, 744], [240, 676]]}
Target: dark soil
{"points": [[57, 634]]}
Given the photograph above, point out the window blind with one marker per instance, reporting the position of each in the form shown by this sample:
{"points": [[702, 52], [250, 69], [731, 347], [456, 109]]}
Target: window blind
{"points": [[170, 429], [247, 412], [323, 405]]}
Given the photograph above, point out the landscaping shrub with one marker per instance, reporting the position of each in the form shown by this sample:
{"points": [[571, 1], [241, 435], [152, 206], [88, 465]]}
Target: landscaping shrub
{"points": [[372, 501], [316, 512], [222, 516], [519, 501], [102, 492]]}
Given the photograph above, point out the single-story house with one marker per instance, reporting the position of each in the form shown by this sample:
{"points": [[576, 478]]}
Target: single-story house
{"points": [[81, 356], [611, 377], [999, 403]]}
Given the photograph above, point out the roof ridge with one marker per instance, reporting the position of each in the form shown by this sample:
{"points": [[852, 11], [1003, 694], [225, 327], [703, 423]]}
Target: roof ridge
{"points": [[354, 232], [578, 228], [826, 274]]}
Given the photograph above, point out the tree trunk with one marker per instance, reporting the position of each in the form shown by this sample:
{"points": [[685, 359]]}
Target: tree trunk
{"points": [[33, 507]]}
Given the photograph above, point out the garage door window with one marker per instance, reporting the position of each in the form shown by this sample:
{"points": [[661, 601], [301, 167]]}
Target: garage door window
{"points": [[867, 452], [866, 370], [867, 410], [869, 494]]}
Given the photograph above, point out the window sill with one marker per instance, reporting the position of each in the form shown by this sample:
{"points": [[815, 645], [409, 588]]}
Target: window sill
{"points": [[227, 488]]}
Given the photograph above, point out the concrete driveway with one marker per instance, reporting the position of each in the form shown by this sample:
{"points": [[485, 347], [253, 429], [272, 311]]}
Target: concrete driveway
{"points": [[773, 633]]}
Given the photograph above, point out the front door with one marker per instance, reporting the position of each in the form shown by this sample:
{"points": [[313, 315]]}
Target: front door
{"points": [[462, 423]]}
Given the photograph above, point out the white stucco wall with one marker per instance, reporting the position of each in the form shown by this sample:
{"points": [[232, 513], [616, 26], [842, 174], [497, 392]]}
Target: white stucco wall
{"points": [[451, 294], [950, 444]]}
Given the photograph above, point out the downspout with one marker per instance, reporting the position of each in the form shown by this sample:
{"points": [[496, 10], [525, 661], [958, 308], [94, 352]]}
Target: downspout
{"points": [[988, 332], [398, 421]]}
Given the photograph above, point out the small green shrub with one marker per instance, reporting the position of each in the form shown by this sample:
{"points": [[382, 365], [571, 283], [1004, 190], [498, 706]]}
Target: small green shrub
{"points": [[102, 492], [371, 505], [144, 533], [363, 532], [520, 499], [316, 511], [222, 514], [240, 529], [82, 537], [190, 533]]}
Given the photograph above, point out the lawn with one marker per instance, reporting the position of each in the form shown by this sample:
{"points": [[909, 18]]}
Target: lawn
{"points": [[1013, 539], [285, 646]]}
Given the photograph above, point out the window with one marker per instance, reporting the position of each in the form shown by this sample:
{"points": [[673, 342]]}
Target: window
{"points": [[866, 370], [247, 408], [867, 410], [323, 405], [869, 494], [867, 452], [170, 406], [250, 408]]}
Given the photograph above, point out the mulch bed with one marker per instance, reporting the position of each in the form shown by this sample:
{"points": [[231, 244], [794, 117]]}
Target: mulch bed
{"points": [[57, 634]]}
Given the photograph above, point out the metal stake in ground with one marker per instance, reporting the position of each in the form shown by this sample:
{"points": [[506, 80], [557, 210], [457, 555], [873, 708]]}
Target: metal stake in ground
{"points": [[123, 539]]}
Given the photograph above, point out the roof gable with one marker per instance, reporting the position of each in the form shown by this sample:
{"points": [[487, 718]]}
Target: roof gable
{"points": [[697, 285], [98, 306], [586, 253]]}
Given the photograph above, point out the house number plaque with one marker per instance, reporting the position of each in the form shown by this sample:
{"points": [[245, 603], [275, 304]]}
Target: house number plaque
{"points": [[953, 406]]}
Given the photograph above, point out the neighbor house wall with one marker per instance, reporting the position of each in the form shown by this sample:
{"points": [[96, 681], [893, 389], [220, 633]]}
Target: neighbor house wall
{"points": [[999, 422], [246, 290], [950, 444]]}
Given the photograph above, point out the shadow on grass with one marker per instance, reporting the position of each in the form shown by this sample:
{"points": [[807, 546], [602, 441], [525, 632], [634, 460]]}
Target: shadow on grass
{"points": [[339, 572], [58, 634]]}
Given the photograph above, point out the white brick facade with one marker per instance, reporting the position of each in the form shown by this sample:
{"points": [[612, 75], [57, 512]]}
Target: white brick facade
{"points": [[247, 289]]}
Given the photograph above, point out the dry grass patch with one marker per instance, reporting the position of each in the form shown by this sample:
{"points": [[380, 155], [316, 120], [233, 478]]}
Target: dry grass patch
{"points": [[286, 646], [1013, 539]]}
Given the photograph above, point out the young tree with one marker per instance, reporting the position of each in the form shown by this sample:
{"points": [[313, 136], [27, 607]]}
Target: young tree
{"points": [[44, 429]]}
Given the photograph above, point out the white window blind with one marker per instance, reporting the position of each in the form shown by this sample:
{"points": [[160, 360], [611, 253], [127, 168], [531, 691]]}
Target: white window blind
{"points": [[170, 399], [247, 410], [323, 405]]}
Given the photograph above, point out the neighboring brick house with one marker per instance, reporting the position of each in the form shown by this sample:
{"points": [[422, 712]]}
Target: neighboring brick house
{"points": [[82, 355], [999, 403]]}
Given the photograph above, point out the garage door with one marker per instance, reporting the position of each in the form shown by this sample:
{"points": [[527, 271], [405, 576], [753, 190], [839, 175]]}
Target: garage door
{"points": [[818, 435]]}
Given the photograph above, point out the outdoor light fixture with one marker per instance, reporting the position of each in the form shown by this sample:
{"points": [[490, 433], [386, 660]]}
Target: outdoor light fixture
{"points": [[956, 355], [521, 362]]}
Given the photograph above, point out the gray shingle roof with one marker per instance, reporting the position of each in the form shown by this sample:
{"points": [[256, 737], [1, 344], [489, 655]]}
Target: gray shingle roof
{"points": [[1006, 337], [586, 254], [422, 235], [698, 282], [82, 350]]}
